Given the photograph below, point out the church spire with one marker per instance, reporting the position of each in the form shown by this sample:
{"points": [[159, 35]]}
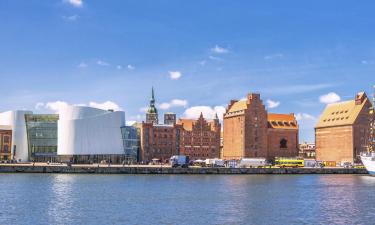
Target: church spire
{"points": [[152, 112]]}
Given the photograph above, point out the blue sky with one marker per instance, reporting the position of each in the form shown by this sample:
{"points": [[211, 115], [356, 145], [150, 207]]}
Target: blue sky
{"points": [[198, 55]]}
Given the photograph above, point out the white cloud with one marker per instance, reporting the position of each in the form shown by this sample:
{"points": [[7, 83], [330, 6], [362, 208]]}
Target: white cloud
{"points": [[173, 103], [304, 117], [203, 62], [131, 67], [329, 98], [71, 18], [272, 104], [215, 58], [105, 105], [274, 56], [208, 112], [130, 122], [219, 50], [175, 75], [39, 105], [56, 106], [102, 63], [82, 65], [75, 3], [119, 67]]}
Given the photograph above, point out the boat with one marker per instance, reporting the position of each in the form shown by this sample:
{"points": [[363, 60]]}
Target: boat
{"points": [[368, 160]]}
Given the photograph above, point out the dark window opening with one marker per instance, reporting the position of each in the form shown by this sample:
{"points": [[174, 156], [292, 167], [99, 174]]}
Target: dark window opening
{"points": [[283, 143]]}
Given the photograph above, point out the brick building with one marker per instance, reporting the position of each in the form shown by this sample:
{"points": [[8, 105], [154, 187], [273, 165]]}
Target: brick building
{"points": [[159, 141], [342, 130], [282, 135], [249, 131], [5, 144], [200, 139]]}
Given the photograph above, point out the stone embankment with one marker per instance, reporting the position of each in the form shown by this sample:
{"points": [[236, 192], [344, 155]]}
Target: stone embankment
{"points": [[168, 170]]}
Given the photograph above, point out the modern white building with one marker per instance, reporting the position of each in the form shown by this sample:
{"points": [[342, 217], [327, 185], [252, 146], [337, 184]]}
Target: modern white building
{"points": [[78, 133], [85, 131], [15, 121]]}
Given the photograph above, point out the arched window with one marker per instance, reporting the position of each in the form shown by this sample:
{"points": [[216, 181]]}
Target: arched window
{"points": [[283, 143]]}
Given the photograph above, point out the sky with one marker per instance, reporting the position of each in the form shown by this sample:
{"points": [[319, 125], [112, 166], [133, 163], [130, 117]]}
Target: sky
{"points": [[198, 55]]}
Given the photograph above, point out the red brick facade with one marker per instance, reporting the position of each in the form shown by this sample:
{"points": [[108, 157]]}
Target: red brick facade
{"points": [[200, 139], [5, 144], [159, 141], [249, 131]]}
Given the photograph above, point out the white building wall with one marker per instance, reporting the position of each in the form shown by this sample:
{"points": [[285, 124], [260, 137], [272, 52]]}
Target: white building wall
{"points": [[16, 121], [89, 131]]}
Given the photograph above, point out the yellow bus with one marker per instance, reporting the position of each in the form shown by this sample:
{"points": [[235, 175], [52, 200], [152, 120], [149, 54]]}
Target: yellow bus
{"points": [[289, 162]]}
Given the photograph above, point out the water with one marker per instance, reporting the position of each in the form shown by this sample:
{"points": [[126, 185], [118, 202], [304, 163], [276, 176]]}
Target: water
{"points": [[173, 199]]}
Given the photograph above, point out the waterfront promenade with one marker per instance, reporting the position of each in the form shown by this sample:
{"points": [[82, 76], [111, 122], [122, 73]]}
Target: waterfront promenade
{"points": [[164, 169]]}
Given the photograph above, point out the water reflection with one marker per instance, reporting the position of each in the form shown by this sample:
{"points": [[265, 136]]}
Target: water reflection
{"points": [[61, 199], [121, 199]]}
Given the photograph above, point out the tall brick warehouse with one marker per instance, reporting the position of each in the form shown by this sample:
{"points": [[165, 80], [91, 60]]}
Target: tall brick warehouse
{"points": [[341, 131], [249, 131]]}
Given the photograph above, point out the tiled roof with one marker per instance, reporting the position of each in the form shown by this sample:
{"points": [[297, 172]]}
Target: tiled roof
{"points": [[187, 124], [240, 105], [342, 113], [282, 121]]}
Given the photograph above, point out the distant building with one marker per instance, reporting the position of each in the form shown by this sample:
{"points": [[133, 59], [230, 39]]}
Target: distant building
{"points": [[79, 134], [5, 143], [152, 113], [131, 142], [282, 135], [158, 142], [307, 150], [342, 130], [42, 137], [249, 131], [170, 118], [200, 139]]}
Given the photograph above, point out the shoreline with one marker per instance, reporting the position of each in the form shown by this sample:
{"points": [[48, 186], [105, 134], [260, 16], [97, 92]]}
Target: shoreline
{"points": [[119, 169]]}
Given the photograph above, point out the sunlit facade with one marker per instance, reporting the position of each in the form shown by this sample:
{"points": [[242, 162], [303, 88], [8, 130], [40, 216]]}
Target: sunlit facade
{"points": [[77, 134]]}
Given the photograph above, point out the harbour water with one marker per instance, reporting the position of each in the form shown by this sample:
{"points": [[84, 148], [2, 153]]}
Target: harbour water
{"points": [[186, 199]]}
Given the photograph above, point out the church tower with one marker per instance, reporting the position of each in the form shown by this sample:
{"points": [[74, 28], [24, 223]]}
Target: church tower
{"points": [[152, 112]]}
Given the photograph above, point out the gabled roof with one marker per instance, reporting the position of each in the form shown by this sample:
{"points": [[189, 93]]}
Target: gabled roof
{"points": [[237, 106], [188, 124], [282, 121], [342, 113]]}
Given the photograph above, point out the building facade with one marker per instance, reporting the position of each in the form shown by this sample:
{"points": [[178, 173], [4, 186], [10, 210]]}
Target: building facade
{"points": [[249, 131], [5, 144], [307, 150], [200, 139], [282, 135], [342, 130], [42, 137], [77, 134], [159, 142], [131, 142]]}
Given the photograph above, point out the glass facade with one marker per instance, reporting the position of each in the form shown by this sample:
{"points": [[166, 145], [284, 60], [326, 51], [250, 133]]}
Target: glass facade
{"points": [[42, 137], [131, 141]]}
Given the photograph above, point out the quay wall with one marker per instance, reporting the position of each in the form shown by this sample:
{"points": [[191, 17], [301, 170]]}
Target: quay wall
{"points": [[169, 170]]}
